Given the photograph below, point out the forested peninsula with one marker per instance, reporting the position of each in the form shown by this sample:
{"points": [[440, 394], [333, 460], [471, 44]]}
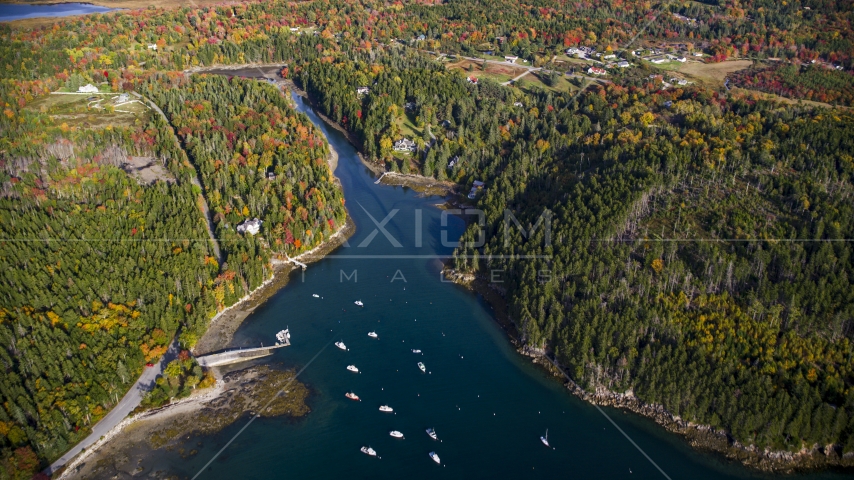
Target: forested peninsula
{"points": [[699, 253]]}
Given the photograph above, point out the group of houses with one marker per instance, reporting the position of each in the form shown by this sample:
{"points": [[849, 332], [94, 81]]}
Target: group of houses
{"points": [[582, 51]]}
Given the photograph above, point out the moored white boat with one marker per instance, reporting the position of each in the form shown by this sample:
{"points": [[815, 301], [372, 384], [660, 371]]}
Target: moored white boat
{"points": [[422, 367], [372, 334], [352, 396], [315, 295], [352, 368], [435, 457], [369, 451], [283, 336], [395, 434], [386, 408], [415, 350], [359, 303], [545, 439], [340, 344], [432, 434]]}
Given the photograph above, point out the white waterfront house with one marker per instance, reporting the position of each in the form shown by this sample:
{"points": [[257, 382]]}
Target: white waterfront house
{"points": [[477, 185], [252, 227], [404, 145]]}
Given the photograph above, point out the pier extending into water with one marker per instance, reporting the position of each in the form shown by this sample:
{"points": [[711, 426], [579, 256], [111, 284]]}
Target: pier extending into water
{"points": [[239, 355]]}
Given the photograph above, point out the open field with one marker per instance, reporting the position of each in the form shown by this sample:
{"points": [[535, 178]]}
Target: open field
{"points": [[79, 111], [497, 72], [533, 80], [713, 72]]}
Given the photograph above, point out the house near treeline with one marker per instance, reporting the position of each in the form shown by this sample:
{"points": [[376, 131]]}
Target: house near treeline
{"points": [[252, 227], [88, 88], [362, 90], [404, 145], [477, 185]]}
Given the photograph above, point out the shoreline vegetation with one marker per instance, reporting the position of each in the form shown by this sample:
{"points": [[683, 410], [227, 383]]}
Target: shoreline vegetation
{"points": [[218, 406], [700, 437]]}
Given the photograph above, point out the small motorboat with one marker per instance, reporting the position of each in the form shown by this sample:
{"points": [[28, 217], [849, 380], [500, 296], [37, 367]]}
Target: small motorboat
{"points": [[352, 396], [369, 451], [352, 368], [372, 334], [340, 344], [545, 438], [315, 295], [415, 350], [422, 367], [435, 457], [359, 303], [283, 336], [432, 434], [386, 408], [395, 434]]}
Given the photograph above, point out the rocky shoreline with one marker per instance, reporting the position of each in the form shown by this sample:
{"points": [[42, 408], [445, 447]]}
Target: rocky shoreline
{"points": [[259, 390], [701, 437]]}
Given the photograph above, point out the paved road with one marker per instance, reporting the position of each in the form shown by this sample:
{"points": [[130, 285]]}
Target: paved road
{"points": [[127, 404]]}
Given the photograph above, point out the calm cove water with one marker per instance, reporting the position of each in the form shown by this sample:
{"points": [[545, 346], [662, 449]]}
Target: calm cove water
{"points": [[9, 12], [488, 404]]}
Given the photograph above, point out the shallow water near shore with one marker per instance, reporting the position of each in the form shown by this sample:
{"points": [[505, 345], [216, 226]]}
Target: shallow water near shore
{"points": [[488, 404]]}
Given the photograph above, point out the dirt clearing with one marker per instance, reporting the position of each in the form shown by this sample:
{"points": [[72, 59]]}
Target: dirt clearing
{"points": [[713, 72]]}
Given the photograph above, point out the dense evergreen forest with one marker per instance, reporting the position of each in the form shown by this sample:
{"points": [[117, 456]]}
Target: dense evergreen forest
{"points": [[698, 254], [258, 158]]}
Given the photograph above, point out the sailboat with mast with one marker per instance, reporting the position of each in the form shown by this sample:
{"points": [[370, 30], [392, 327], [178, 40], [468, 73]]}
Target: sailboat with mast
{"points": [[545, 438]]}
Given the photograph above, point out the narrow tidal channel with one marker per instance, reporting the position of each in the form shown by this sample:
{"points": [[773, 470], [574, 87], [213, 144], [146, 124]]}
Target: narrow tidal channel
{"points": [[488, 404]]}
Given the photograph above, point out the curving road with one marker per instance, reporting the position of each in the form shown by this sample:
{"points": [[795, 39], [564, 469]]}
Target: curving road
{"points": [[127, 404]]}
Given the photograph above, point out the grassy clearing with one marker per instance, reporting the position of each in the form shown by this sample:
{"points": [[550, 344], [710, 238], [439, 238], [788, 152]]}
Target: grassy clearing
{"points": [[408, 128], [78, 111], [496, 72], [533, 80]]}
